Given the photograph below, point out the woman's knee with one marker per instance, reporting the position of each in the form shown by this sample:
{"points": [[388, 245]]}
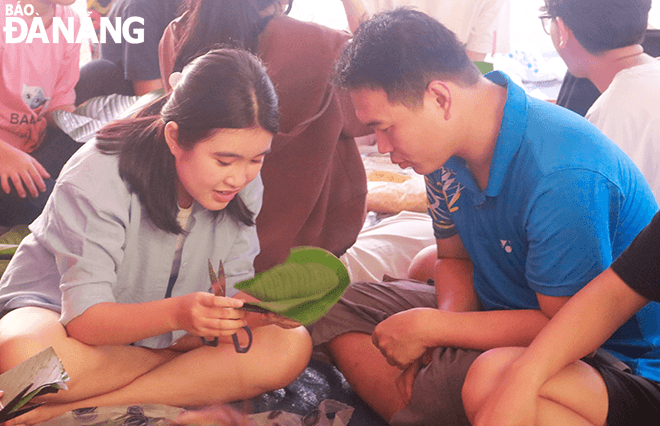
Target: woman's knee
{"points": [[289, 351], [25, 332], [299, 352], [482, 377]]}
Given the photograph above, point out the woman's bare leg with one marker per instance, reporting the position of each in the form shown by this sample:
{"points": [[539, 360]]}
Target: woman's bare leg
{"points": [[207, 375], [92, 370]]}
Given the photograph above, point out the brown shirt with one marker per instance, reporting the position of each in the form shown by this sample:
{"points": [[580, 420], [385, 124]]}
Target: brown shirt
{"points": [[314, 180]]}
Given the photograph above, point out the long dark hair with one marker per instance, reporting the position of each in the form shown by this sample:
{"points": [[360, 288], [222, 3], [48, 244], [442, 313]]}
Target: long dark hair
{"points": [[223, 89], [234, 23]]}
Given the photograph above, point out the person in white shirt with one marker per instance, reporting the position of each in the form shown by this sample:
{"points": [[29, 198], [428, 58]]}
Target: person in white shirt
{"points": [[601, 41], [483, 25]]}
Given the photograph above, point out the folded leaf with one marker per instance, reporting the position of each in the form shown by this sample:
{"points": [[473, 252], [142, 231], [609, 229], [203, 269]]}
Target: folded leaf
{"points": [[293, 280], [303, 288]]}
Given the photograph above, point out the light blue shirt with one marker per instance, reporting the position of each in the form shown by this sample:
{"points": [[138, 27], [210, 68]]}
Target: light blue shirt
{"points": [[562, 201], [94, 243]]}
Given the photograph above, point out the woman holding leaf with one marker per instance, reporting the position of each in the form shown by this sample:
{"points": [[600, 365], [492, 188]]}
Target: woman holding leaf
{"points": [[315, 186], [115, 274]]}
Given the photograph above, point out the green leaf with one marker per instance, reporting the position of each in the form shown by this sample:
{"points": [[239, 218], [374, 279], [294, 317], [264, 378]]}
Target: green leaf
{"points": [[10, 240], [292, 281], [484, 67], [303, 288], [3, 266]]}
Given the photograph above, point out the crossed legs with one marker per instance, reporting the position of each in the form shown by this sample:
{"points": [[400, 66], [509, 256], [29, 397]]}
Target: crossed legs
{"points": [[577, 395], [119, 375]]}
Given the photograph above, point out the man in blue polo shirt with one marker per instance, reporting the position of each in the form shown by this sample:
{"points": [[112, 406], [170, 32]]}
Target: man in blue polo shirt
{"points": [[529, 203]]}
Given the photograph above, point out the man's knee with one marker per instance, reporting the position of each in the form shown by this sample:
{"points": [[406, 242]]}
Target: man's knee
{"points": [[483, 376], [346, 348], [423, 264]]}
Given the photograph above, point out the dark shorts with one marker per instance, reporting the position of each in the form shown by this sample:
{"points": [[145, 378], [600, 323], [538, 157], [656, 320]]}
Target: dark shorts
{"points": [[632, 400], [436, 392]]}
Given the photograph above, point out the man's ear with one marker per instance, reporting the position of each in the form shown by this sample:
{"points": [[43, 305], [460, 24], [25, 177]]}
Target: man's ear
{"points": [[440, 94], [172, 137], [562, 34]]}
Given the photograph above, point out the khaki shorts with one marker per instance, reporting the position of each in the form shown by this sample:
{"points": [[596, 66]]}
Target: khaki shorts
{"points": [[436, 395]]}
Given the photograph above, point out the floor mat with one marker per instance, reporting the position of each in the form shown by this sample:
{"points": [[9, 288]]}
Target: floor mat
{"points": [[319, 381]]}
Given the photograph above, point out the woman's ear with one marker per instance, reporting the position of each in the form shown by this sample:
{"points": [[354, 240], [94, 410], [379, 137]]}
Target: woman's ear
{"points": [[440, 94], [171, 137]]}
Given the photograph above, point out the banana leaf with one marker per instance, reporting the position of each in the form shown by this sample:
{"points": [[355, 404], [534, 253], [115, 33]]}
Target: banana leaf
{"points": [[484, 67], [3, 266], [10, 240], [303, 288]]}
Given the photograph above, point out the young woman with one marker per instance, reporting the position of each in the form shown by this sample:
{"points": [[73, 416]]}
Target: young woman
{"points": [[315, 164], [115, 273]]}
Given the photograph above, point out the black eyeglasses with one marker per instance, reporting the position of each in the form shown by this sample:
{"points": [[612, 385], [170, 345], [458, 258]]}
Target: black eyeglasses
{"points": [[546, 22], [288, 8]]}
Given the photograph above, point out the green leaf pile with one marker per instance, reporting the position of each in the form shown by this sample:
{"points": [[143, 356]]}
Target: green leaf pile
{"points": [[303, 288], [10, 240]]}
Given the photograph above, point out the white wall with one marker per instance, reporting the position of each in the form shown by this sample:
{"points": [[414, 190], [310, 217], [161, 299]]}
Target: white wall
{"points": [[526, 31]]}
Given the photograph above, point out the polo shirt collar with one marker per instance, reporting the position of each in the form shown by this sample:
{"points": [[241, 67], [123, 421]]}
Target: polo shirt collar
{"points": [[512, 129], [509, 139]]}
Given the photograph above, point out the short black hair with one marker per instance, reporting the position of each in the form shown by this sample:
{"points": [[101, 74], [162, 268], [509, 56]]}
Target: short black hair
{"points": [[402, 51], [602, 25]]}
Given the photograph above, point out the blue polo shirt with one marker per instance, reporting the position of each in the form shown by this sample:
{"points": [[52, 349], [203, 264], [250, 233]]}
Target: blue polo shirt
{"points": [[561, 203]]}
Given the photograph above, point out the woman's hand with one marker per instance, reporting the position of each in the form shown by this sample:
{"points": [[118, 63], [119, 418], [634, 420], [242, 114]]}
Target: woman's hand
{"points": [[256, 320], [279, 320], [205, 315], [23, 170]]}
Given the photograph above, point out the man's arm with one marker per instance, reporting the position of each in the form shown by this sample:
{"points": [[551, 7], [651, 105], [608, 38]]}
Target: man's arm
{"points": [[453, 276], [607, 293], [405, 336], [608, 300], [356, 13]]}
